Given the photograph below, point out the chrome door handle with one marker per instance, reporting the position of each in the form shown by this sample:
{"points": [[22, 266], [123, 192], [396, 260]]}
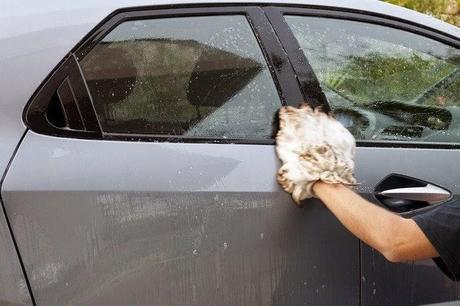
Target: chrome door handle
{"points": [[429, 193]]}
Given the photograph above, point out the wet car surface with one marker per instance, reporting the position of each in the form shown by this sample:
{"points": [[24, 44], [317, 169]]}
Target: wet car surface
{"points": [[138, 158]]}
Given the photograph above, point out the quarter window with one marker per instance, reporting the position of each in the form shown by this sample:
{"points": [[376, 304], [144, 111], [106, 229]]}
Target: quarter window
{"points": [[188, 76], [384, 83]]}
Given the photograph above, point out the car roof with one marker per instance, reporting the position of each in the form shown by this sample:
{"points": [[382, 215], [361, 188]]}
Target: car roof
{"points": [[32, 8]]}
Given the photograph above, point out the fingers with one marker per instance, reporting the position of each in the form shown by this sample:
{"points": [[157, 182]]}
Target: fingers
{"points": [[301, 193]]}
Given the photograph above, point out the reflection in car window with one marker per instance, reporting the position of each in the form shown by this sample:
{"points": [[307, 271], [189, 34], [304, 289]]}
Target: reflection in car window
{"points": [[191, 76], [384, 83]]}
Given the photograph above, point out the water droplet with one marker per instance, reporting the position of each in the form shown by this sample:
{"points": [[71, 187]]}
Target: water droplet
{"points": [[261, 236]]}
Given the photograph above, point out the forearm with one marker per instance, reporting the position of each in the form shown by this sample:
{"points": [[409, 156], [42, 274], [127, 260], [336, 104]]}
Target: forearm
{"points": [[398, 239]]}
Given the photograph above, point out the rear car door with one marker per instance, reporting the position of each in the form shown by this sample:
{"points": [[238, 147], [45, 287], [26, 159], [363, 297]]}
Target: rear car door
{"points": [[148, 174], [395, 86]]}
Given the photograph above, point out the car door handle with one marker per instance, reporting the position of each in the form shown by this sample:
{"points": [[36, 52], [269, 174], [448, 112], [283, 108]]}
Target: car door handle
{"points": [[429, 193], [401, 193]]}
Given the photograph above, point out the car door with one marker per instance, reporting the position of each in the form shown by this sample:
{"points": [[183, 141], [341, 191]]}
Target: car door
{"points": [[148, 174], [395, 86]]}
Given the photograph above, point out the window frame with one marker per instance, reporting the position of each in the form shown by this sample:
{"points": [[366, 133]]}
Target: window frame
{"points": [[280, 68], [305, 72], [35, 112]]}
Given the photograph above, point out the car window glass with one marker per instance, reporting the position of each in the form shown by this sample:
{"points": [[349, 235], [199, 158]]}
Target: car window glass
{"points": [[384, 83], [190, 76]]}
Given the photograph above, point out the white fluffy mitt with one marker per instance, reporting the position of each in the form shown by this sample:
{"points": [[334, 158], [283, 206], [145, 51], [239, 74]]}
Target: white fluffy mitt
{"points": [[312, 146]]}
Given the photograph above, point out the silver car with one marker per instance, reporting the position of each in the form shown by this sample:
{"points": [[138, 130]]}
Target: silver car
{"points": [[137, 152]]}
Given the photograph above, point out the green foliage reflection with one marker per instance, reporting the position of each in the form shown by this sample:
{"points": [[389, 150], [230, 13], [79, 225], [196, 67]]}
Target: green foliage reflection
{"points": [[376, 76]]}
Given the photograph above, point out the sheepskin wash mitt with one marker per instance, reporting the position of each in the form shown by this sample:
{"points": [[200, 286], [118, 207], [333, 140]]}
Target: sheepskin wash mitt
{"points": [[312, 146]]}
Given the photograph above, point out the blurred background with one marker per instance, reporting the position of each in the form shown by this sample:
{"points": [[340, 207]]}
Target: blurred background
{"points": [[447, 10]]}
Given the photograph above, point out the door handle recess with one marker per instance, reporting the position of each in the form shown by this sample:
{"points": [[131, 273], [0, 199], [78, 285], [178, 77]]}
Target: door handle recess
{"points": [[429, 193], [401, 193]]}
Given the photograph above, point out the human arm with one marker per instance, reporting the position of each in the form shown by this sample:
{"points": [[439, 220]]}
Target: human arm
{"points": [[397, 238], [317, 153]]}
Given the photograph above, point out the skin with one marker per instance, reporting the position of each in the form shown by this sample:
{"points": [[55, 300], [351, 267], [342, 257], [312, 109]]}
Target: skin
{"points": [[396, 238]]}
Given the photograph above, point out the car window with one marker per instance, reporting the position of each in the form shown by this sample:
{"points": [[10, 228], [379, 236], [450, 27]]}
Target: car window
{"points": [[384, 83], [201, 76]]}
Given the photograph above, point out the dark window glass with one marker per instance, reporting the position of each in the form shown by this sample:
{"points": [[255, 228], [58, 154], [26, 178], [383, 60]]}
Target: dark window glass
{"points": [[191, 76], [384, 83]]}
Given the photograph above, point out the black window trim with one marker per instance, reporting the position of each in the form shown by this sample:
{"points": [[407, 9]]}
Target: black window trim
{"points": [[277, 61], [306, 75], [34, 114]]}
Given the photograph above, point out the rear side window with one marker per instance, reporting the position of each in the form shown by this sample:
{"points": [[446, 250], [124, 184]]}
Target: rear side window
{"points": [[384, 83], [187, 76]]}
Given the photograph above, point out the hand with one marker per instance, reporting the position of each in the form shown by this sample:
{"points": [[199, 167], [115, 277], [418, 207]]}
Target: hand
{"points": [[312, 146]]}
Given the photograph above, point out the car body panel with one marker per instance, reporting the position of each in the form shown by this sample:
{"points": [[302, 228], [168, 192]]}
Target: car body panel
{"points": [[171, 224], [25, 60], [225, 214], [13, 286], [412, 283]]}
